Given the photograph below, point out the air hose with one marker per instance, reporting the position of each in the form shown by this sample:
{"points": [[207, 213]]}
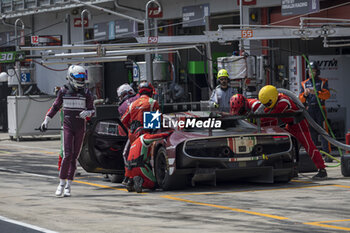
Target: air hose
{"points": [[311, 121], [316, 126]]}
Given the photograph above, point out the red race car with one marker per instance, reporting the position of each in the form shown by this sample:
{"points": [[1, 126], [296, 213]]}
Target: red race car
{"points": [[203, 147]]}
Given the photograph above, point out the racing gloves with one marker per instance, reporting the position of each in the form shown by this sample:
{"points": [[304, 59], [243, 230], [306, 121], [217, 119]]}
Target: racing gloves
{"points": [[45, 123], [86, 113]]}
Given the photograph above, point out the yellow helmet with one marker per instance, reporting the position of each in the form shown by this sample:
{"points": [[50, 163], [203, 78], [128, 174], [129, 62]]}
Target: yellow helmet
{"points": [[268, 96], [222, 73]]}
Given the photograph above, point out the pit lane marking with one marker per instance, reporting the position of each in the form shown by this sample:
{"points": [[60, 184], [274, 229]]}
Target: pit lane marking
{"points": [[5, 152], [173, 197], [28, 152], [342, 186], [225, 207], [257, 190], [30, 226], [32, 147], [302, 181], [320, 224], [100, 185]]}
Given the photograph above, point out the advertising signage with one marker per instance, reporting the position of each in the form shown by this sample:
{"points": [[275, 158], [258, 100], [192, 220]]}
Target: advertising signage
{"points": [[298, 7]]}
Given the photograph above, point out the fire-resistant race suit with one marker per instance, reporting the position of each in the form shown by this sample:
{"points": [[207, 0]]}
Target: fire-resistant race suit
{"points": [[138, 163], [299, 130], [73, 102], [313, 107], [133, 117], [241, 105]]}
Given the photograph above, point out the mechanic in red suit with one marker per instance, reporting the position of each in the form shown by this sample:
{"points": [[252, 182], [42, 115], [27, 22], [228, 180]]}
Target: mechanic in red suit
{"points": [[241, 105], [279, 103], [138, 167], [133, 117]]}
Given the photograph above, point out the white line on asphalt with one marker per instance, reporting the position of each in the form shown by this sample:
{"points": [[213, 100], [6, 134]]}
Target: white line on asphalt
{"points": [[26, 173], [26, 225]]}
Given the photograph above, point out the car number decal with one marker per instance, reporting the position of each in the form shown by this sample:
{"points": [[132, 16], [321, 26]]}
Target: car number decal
{"points": [[241, 145]]}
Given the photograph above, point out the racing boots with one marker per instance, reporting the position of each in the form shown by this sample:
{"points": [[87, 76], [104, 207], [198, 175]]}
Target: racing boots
{"points": [[125, 181], [321, 175], [59, 190], [67, 191], [138, 181], [130, 185]]}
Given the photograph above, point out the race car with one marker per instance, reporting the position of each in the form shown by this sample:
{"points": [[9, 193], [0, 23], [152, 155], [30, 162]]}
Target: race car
{"points": [[198, 152]]}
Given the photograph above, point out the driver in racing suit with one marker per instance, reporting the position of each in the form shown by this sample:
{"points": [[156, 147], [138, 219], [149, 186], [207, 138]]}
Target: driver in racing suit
{"points": [[77, 105], [279, 103]]}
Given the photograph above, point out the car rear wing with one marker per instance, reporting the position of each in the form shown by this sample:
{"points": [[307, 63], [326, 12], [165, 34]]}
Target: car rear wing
{"points": [[297, 117]]}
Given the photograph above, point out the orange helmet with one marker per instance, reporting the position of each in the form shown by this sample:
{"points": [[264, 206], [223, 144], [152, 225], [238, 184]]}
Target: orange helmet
{"points": [[238, 104]]}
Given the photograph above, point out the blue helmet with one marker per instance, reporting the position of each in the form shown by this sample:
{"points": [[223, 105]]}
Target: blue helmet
{"points": [[76, 76]]}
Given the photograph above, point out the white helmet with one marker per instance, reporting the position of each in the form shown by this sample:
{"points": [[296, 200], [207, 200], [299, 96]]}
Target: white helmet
{"points": [[3, 77], [76, 76], [124, 91]]}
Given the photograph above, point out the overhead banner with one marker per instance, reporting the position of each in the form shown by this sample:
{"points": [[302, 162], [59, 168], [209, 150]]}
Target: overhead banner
{"points": [[298, 7], [46, 40], [77, 22], [101, 31], [125, 28], [194, 15], [11, 57]]}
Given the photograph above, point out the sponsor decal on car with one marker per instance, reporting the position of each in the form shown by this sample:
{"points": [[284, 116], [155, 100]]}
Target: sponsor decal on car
{"points": [[152, 120]]}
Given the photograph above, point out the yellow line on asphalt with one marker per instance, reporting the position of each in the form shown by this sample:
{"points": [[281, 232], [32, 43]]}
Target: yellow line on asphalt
{"points": [[319, 224], [83, 177], [28, 152], [42, 152], [99, 185], [225, 208], [342, 186], [302, 181], [246, 191], [5, 152]]}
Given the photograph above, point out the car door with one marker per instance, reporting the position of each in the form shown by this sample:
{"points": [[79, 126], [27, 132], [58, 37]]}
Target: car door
{"points": [[104, 142]]}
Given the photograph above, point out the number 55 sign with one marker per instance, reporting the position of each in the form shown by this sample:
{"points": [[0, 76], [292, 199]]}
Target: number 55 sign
{"points": [[246, 33]]}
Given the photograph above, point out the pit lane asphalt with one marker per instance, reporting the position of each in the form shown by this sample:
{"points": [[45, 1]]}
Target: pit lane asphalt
{"points": [[28, 179]]}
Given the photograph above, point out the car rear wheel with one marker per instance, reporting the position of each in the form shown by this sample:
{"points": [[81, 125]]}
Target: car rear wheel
{"points": [[164, 179], [116, 178]]}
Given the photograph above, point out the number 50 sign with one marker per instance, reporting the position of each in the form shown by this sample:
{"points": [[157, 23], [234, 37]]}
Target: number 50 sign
{"points": [[246, 33]]}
